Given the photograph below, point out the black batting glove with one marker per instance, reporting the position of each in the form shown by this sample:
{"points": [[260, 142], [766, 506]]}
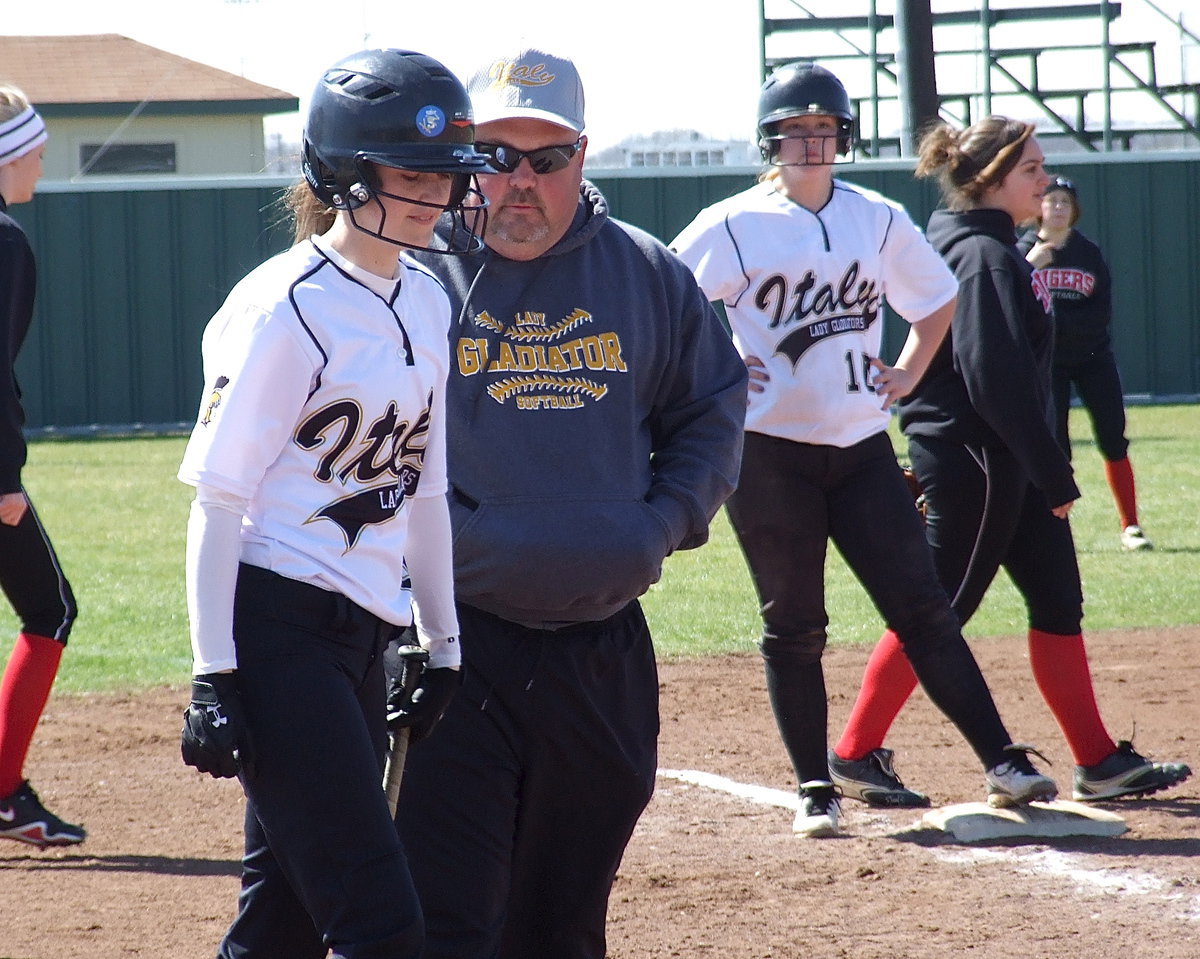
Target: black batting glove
{"points": [[422, 710], [215, 740]]}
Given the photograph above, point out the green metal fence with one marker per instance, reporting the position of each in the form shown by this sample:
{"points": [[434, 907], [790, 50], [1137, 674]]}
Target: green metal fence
{"points": [[127, 278], [130, 273]]}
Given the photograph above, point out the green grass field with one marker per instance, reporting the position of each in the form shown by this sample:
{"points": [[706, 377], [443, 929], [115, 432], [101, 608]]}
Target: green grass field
{"points": [[117, 516]]}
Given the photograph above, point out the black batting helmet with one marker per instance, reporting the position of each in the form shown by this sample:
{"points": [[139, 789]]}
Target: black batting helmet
{"points": [[395, 108], [798, 89]]}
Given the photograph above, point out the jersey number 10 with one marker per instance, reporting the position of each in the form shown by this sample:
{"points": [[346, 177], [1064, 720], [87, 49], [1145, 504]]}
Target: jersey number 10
{"points": [[855, 383]]}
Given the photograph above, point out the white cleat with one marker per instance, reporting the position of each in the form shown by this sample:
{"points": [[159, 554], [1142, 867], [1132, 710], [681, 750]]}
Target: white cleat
{"points": [[1017, 783], [817, 817], [1133, 539]]}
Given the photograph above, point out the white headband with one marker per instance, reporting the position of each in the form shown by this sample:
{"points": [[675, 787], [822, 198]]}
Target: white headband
{"points": [[21, 134]]}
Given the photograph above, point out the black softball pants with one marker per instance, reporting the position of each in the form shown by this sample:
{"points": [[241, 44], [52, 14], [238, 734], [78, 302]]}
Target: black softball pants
{"points": [[1019, 533], [323, 867], [1098, 383], [791, 499], [33, 580], [516, 811]]}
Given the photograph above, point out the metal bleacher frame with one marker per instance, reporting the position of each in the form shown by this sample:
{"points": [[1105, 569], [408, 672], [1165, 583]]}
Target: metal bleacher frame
{"points": [[1020, 69]]}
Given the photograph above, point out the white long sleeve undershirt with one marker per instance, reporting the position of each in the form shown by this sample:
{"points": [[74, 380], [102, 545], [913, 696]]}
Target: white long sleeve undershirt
{"points": [[431, 569], [211, 567]]}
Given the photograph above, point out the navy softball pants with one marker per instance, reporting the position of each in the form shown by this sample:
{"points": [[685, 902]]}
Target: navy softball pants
{"points": [[791, 499], [516, 811], [323, 867]]}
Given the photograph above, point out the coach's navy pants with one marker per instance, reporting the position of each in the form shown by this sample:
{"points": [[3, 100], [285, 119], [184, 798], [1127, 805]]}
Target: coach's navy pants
{"points": [[516, 811], [323, 868]]}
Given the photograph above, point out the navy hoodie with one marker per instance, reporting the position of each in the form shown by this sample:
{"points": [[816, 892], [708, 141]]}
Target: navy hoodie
{"points": [[596, 407], [989, 383]]}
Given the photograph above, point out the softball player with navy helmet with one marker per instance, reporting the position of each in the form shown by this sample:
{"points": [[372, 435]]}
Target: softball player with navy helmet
{"points": [[802, 262], [318, 458]]}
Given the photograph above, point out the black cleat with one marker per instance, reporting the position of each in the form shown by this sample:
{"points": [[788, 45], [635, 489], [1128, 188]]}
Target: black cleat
{"points": [[1126, 773], [25, 819], [873, 780]]}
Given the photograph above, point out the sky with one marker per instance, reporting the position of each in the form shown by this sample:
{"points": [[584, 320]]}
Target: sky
{"points": [[647, 65]]}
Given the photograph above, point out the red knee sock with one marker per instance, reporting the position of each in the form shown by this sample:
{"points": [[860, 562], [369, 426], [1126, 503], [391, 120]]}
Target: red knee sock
{"points": [[887, 683], [1120, 481], [23, 693], [1060, 667]]}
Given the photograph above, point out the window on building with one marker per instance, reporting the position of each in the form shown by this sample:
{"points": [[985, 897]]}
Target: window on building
{"points": [[127, 158]]}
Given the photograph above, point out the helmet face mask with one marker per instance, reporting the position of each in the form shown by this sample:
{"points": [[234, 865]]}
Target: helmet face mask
{"points": [[398, 109], [803, 89], [769, 144], [466, 204]]}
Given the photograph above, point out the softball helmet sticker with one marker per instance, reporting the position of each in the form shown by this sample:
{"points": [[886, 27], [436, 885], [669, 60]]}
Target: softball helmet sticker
{"points": [[431, 120]]}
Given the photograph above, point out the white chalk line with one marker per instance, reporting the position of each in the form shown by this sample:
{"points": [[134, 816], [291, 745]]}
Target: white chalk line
{"points": [[1049, 862], [763, 795]]}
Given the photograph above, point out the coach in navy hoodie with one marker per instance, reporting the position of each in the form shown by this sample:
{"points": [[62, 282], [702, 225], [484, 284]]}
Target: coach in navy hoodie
{"points": [[596, 408]]}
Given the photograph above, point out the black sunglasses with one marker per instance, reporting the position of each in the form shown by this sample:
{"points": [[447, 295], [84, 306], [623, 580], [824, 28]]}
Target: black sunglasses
{"points": [[546, 160]]}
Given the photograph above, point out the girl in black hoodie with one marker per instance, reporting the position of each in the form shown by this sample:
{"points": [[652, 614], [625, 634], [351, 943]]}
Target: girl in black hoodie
{"points": [[998, 484]]}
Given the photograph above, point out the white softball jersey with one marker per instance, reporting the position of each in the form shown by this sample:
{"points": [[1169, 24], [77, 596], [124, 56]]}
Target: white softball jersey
{"points": [[324, 409], [804, 293]]}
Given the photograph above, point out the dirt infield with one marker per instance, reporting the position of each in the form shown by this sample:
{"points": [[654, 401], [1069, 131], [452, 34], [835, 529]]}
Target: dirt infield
{"points": [[707, 874]]}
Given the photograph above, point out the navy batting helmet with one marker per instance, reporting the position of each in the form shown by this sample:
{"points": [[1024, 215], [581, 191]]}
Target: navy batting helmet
{"points": [[395, 108], [799, 89]]}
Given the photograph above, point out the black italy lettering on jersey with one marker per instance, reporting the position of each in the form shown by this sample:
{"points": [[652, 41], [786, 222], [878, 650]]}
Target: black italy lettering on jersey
{"points": [[849, 305], [848, 295], [401, 445], [381, 433], [408, 448], [311, 433], [772, 294]]}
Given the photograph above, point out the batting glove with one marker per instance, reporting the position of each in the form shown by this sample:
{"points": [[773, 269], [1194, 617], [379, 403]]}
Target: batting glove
{"points": [[421, 711], [215, 740]]}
